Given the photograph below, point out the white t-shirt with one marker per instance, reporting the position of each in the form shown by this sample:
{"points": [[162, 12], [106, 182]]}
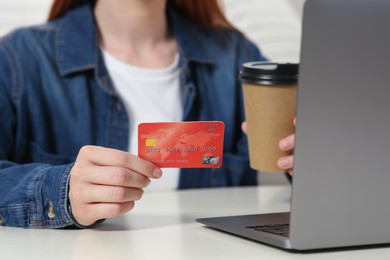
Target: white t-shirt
{"points": [[150, 95]]}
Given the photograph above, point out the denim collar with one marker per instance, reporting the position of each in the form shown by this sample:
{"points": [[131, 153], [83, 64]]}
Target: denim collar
{"points": [[78, 45]]}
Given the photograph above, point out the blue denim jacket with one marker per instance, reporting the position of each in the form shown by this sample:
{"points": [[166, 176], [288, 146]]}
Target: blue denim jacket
{"points": [[57, 96]]}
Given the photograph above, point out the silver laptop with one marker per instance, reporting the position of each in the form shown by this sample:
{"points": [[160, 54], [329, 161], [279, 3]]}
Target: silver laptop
{"points": [[341, 183]]}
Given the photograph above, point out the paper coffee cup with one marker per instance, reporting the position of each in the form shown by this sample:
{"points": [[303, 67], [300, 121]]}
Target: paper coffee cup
{"points": [[270, 107]]}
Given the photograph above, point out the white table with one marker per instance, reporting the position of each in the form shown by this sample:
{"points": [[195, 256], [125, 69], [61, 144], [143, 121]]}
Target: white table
{"points": [[162, 226]]}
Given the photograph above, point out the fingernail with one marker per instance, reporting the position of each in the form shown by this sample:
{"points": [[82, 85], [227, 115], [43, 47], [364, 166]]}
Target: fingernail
{"points": [[157, 173], [285, 144], [283, 163]]}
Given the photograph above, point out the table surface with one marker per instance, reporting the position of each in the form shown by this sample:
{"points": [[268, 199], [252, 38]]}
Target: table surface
{"points": [[162, 226]]}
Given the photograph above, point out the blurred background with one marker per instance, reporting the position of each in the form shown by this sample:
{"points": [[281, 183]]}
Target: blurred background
{"points": [[274, 25]]}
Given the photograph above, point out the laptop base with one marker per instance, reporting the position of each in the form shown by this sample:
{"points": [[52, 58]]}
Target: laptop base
{"points": [[234, 225]]}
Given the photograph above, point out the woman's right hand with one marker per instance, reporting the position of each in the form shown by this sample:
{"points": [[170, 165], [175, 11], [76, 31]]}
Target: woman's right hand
{"points": [[105, 183]]}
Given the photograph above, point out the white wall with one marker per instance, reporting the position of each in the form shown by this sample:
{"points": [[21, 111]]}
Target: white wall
{"points": [[18, 13], [274, 25]]}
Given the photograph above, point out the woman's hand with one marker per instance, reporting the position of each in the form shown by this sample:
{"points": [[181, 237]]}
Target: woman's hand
{"points": [[105, 183], [287, 144]]}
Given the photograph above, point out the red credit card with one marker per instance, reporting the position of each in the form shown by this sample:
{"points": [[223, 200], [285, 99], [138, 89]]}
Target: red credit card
{"points": [[182, 144]]}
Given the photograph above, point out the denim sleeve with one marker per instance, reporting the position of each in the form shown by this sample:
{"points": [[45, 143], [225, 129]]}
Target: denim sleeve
{"points": [[31, 195], [34, 195], [247, 52]]}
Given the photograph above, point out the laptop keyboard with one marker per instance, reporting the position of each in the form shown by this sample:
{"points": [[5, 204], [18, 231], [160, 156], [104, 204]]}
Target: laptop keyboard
{"points": [[282, 229]]}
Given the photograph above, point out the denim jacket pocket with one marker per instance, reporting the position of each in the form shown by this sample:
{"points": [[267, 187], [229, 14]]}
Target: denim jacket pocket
{"points": [[34, 153]]}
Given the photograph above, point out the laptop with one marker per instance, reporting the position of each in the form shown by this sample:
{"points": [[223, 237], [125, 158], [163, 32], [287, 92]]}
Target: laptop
{"points": [[341, 184]]}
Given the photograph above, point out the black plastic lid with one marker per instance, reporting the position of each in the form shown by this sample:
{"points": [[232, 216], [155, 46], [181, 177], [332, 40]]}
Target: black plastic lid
{"points": [[269, 73]]}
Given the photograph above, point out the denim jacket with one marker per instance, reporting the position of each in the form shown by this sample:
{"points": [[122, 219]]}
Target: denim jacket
{"points": [[57, 96]]}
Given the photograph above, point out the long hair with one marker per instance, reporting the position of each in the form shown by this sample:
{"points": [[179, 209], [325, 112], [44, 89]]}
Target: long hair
{"points": [[204, 13]]}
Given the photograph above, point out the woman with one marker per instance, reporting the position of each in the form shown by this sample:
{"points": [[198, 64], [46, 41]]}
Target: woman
{"points": [[73, 90]]}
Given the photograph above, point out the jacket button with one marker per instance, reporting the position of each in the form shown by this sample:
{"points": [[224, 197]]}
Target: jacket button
{"points": [[51, 213], [1, 220]]}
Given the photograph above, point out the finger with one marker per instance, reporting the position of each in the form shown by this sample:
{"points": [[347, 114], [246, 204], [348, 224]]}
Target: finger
{"points": [[287, 143], [295, 121], [286, 162], [108, 194], [114, 176], [244, 127], [88, 214], [111, 157]]}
